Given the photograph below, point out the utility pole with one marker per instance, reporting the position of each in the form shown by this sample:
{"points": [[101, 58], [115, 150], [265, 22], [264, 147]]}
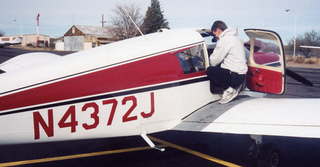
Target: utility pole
{"points": [[38, 24], [103, 21], [37, 29], [295, 30]]}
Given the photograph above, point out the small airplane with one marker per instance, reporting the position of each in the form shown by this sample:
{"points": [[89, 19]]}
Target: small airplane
{"points": [[144, 85], [310, 47], [14, 41]]}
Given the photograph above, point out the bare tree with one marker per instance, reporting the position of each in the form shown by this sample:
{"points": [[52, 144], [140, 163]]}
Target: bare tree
{"points": [[311, 38], [123, 27]]}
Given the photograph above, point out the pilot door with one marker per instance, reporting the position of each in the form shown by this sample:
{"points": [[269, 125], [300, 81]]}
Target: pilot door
{"points": [[266, 62]]}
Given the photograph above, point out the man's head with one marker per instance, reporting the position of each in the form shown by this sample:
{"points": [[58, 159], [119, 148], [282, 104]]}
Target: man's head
{"points": [[218, 27]]}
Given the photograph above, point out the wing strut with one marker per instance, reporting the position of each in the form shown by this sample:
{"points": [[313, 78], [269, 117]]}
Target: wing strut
{"points": [[151, 144]]}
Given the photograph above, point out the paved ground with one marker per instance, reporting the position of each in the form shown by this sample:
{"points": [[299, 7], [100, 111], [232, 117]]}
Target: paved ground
{"points": [[184, 149], [7, 53], [297, 90]]}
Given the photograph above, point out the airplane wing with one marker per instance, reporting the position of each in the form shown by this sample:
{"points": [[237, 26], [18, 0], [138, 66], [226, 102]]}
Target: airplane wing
{"points": [[310, 47], [28, 60], [258, 116]]}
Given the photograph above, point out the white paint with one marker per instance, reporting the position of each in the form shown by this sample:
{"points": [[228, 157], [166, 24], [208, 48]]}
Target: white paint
{"points": [[287, 117], [87, 45], [99, 57], [28, 60], [59, 46], [281, 117], [171, 105]]}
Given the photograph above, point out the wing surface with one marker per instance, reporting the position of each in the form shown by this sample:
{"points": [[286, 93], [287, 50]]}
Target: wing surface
{"points": [[258, 116]]}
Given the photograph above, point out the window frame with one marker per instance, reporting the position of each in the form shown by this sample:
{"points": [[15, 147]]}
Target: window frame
{"points": [[204, 55]]}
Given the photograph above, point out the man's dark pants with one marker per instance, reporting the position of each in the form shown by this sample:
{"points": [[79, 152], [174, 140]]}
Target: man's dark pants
{"points": [[221, 79]]}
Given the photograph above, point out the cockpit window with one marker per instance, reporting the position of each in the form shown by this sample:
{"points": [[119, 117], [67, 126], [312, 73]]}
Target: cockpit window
{"points": [[265, 52], [192, 59]]}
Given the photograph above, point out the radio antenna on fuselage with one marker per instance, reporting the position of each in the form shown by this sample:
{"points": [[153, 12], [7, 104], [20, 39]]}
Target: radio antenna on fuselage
{"points": [[137, 27]]}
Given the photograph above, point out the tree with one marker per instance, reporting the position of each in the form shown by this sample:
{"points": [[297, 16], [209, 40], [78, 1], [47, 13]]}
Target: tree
{"points": [[154, 19], [123, 27], [311, 38], [1, 33]]}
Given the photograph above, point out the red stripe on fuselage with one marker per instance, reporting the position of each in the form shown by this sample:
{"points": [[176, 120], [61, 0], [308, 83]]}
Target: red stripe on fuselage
{"points": [[149, 71]]}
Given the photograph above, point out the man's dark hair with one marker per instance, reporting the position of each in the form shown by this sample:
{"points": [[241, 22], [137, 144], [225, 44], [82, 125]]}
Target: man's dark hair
{"points": [[219, 24]]}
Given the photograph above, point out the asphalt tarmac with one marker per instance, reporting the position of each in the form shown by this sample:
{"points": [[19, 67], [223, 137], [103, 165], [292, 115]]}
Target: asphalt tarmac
{"points": [[183, 149]]}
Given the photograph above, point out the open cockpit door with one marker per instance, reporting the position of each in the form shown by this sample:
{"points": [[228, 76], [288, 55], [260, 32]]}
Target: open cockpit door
{"points": [[266, 62]]}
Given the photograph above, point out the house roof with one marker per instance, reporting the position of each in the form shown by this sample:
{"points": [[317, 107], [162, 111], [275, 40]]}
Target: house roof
{"points": [[104, 32]]}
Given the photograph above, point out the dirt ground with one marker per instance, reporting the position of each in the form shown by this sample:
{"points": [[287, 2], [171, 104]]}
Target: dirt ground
{"points": [[31, 49], [298, 65], [303, 62]]}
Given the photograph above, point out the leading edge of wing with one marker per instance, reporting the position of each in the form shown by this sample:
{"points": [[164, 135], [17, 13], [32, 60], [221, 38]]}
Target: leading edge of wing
{"points": [[258, 116]]}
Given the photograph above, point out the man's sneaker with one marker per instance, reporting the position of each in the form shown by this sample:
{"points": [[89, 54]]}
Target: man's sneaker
{"points": [[217, 97], [229, 95]]}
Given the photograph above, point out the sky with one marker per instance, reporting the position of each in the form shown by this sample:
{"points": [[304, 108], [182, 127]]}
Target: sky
{"points": [[57, 16]]}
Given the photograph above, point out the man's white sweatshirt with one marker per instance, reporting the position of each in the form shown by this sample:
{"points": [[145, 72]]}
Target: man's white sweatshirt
{"points": [[230, 52]]}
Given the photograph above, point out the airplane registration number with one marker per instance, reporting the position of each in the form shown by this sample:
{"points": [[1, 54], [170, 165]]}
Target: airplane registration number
{"points": [[69, 118]]}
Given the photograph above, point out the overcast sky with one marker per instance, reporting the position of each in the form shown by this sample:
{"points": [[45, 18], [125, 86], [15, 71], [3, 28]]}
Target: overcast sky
{"points": [[19, 16]]}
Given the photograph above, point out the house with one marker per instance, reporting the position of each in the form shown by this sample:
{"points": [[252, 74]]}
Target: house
{"points": [[81, 37]]}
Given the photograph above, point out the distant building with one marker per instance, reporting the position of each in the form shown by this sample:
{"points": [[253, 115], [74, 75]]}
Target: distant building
{"points": [[29, 40], [8, 38], [81, 37], [35, 40], [57, 43], [8, 41]]}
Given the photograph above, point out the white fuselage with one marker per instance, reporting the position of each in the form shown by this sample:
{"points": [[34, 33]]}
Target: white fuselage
{"points": [[37, 105]]}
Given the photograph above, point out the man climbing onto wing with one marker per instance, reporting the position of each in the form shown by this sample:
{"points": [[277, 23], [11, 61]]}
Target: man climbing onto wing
{"points": [[228, 62]]}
